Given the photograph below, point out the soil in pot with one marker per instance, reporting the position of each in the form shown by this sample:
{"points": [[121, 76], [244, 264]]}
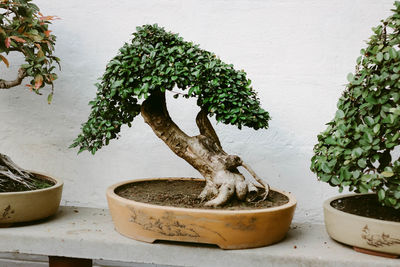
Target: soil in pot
{"points": [[366, 206], [184, 194], [38, 183]]}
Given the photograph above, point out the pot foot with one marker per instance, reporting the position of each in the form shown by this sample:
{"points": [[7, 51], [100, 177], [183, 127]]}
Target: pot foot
{"points": [[55, 261], [375, 253], [5, 225]]}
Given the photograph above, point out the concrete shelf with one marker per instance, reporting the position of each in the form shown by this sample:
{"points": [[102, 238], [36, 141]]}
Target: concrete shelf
{"points": [[88, 233]]}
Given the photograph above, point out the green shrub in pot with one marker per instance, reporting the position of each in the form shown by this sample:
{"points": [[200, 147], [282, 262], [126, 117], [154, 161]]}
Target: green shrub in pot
{"points": [[358, 149]]}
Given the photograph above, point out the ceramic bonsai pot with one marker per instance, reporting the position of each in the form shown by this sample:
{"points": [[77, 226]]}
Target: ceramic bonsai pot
{"points": [[361, 232], [30, 205], [228, 229]]}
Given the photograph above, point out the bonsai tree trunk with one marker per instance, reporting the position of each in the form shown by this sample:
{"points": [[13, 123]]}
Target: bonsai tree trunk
{"points": [[8, 84], [12, 176], [204, 152]]}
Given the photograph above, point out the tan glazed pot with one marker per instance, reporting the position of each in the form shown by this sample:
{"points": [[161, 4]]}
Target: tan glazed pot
{"points": [[226, 228], [362, 232], [30, 205]]}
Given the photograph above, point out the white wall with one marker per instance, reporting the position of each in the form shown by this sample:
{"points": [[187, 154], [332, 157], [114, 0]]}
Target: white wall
{"points": [[297, 53]]}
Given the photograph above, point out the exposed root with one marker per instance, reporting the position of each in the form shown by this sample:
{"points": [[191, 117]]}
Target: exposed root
{"points": [[252, 192], [226, 191], [12, 175], [257, 178], [251, 187], [227, 183], [209, 191]]}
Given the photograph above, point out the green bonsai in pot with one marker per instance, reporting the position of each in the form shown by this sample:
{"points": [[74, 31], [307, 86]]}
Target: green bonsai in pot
{"points": [[24, 30], [136, 81], [358, 149]]}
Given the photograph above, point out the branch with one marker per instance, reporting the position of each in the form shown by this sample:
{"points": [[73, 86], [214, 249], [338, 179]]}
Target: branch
{"points": [[205, 127], [8, 84]]}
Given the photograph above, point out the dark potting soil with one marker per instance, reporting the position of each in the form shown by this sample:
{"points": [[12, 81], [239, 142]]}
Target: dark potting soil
{"points": [[366, 206], [38, 183], [184, 194]]}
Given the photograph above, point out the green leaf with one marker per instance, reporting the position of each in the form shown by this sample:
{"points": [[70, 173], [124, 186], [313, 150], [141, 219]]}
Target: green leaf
{"points": [[117, 84], [386, 56], [364, 188], [371, 99], [381, 194], [335, 180], [190, 91], [379, 56], [350, 77], [370, 121], [339, 114], [391, 201], [325, 168], [325, 177], [357, 152], [50, 98], [356, 174], [392, 53], [345, 174], [362, 163], [330, 141], [368, 137], [387, 174], [376, 128]]}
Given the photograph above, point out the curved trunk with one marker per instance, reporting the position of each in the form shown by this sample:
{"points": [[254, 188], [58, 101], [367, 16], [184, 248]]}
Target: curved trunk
{"points": [[204, 152], [12, 176]]}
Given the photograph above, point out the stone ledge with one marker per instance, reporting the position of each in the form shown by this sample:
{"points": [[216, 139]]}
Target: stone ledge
{"points": [[89, 233]]}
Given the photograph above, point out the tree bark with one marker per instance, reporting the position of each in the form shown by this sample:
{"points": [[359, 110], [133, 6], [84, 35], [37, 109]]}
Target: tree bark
{"points": [[12, 176], [204, 152], [8, 84]]}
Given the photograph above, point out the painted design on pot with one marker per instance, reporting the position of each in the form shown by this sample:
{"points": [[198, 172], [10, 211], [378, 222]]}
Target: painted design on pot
{"points": [[166, 225], [378, 240], [247, 224], [7, 213]]}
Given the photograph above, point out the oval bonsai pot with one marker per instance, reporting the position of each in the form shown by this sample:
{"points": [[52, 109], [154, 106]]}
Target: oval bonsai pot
{"points": [[31, 205], [361, 232], [229, 229]]}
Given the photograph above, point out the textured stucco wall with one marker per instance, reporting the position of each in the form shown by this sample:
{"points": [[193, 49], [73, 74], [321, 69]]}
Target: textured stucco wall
{"points": [[297, 53]]}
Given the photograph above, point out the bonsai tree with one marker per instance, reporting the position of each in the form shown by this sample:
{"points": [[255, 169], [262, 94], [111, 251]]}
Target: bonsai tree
{"points": [[23, 29], [357, 148], [136, 81]]}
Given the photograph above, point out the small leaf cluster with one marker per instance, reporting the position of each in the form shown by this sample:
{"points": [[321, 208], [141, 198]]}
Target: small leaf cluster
{"points": [[158, 61], [357, 148], [25, 30]]}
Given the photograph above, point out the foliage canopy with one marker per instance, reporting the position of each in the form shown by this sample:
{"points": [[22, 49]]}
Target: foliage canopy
{"points": [[25, 30], [157, 61], [357, 150]]}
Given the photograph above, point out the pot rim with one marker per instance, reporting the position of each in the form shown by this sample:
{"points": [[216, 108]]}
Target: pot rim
{"points": [[111, 193], [58, 183], [327, 206]]}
